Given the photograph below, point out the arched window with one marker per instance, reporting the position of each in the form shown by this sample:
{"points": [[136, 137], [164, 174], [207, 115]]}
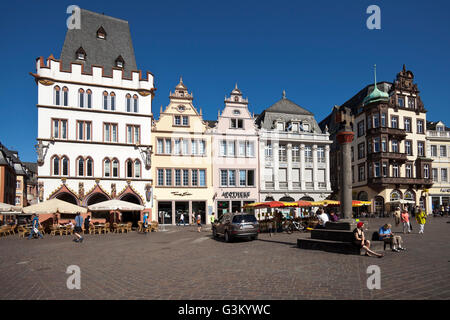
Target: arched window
{"points": [[107, 168], [66, 96], [112, 101], [410, 195], [57, 96], [81, 98], [89, 98], [89, 167], [137, 169], [105, 100], [128, 101], [135, 103], [65, 166], [115, 168], [80, 166], [129, 168], [395, 195], [55, 166]]}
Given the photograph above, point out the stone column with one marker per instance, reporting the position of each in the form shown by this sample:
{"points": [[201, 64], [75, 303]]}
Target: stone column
{"points": [[289, 167], [315, 166], [302, 167], [345, 139], [276, 164], [173, 212], [262, 165], [327, 170]]}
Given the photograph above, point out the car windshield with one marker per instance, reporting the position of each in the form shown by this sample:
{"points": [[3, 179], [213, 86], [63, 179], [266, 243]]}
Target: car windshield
{"points": [[244, 218]]}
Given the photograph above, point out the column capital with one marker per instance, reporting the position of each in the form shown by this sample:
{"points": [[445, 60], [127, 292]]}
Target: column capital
{"points": [[345, 137]]}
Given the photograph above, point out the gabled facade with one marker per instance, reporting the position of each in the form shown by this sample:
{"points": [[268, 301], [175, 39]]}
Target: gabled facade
{"points": [[294, 154], [438, 141], [235, 156], [389, 160], [182, 161], [94, 119]]}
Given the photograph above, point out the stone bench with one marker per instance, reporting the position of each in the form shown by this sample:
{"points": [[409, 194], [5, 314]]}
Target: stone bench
{"points": [[344, 247]]}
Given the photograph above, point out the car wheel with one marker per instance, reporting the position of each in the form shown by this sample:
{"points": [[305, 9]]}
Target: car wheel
{"points": [[255, 237], [214, 233], [227, 237]]}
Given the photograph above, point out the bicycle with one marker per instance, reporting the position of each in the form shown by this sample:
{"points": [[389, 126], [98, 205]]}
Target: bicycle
{"points": [[291, 226]]}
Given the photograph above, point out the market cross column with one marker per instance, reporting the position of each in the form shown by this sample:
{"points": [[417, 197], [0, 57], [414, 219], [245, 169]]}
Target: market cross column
{"points": [[345, 137]]}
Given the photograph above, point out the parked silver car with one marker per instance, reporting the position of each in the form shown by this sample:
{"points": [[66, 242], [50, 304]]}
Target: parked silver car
{"points": [[236, 225]]}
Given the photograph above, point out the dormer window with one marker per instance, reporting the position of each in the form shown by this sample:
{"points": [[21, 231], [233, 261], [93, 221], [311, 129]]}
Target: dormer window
{"points": [[236, 98], [120, 63], [236, 112], [101, 34], [181, 108], [80, 54]]}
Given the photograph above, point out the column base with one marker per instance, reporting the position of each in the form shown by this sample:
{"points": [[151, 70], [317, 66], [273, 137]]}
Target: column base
{"points": [[343, 224]]}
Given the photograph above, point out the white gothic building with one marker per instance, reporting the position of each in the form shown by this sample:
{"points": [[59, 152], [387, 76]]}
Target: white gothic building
{"points": [[294, 154], [94, 117]]}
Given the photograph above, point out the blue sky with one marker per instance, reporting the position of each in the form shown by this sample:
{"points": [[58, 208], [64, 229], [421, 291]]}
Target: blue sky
{"points": [[320, 52]]}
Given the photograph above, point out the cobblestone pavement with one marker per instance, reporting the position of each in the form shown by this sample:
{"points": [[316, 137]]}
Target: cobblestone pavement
{"points": [[184, 264]]}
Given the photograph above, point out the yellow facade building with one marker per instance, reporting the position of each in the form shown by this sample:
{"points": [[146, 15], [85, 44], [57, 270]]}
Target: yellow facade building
{"points": [[182, 162]]}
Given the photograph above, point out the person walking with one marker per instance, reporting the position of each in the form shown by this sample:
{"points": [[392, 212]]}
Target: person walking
{"points": [[405, 220], [87, 223], [78, 230], [397, 214], [212, 219], [199, 223], [182, 219], [421, 219], [35, 227], [145, 223]]}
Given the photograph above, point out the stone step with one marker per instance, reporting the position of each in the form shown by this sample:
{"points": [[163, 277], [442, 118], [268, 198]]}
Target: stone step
{"points": [[336, 246], [334, 235]]}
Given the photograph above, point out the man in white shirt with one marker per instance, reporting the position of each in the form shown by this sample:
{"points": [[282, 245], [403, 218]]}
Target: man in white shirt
{"points": [[323, 219]]}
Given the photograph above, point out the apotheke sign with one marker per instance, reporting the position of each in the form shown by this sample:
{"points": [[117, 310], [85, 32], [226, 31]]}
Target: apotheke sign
{"points": [[445, 190], [234, 195]]}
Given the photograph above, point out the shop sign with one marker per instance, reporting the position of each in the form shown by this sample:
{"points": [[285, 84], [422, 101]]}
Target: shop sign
{"points": [[234, 195], [445, 190]]}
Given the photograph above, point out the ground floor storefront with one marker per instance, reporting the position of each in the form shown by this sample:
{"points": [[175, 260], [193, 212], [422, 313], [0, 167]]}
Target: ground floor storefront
{"points": [[386, 201], [170, 211], [439, 198]]}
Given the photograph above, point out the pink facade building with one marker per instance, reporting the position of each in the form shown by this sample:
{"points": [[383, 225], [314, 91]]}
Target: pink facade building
{"points": [[235, 156]]}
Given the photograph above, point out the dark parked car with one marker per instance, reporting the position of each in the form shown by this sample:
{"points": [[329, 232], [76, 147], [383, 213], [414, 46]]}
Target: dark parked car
{"points": [[236, 225]]}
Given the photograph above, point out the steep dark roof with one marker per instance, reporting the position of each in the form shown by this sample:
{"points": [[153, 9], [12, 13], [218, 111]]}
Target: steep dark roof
{"points": [[99, 52], [211, 123], [32, 166], [431, 125], [287, 106], [358, 98]]}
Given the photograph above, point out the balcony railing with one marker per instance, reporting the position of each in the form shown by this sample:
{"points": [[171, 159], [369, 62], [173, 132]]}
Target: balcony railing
{"points": [[399, 133], [270, 185], [400, 180], [309, 185], [283, 185], [322, 185], [444, 134], [397, 156]]}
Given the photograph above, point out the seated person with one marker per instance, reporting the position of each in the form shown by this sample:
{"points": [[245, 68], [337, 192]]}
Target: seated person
{"points": [[386, 235], [360, 241], [333, 217], [323, 219]]}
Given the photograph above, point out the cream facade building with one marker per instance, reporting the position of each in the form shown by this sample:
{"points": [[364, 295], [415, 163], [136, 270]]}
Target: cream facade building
{"points": [[438, 138], [182, 161]]}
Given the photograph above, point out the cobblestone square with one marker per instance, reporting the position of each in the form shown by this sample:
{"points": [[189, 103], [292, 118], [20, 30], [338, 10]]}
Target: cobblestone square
{"points": [[184, 264]]}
